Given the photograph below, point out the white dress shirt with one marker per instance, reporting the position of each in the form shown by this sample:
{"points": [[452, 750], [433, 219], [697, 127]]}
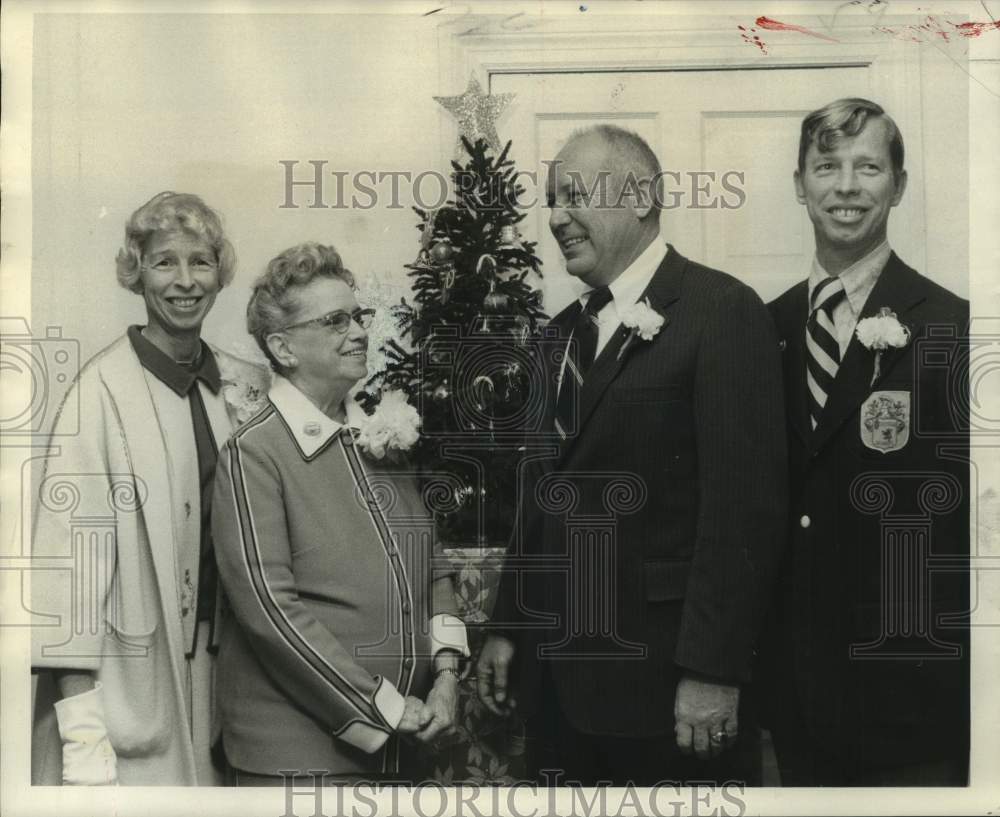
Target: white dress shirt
{"points": [[626, 290], [859, 280]]}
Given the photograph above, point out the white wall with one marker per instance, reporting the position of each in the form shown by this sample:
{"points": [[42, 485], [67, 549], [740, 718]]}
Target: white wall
{"points": [[128, 105], [944, 90]]}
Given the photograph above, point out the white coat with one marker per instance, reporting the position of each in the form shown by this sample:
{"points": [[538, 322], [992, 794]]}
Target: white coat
{"points": [[104, 543]]}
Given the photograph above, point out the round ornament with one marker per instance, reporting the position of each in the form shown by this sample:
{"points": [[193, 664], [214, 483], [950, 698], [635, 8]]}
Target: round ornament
{"points": [[442, 252]]}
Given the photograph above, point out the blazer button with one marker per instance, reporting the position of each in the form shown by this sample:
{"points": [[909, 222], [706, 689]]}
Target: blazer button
{"points": [[805, 521], [407, 662]]}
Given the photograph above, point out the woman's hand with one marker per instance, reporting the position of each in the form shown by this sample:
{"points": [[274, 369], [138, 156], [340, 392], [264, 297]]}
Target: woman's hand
{"points": [[442, 703], [416, 715], [87, 754]]}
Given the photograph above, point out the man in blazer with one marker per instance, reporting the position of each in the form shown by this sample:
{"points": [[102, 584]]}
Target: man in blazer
{"points": [[867, 660], [652, 501]]}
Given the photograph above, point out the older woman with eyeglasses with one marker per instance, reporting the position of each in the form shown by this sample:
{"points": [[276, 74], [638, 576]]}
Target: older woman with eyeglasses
{"points": [[340, 625], [125, 500]]}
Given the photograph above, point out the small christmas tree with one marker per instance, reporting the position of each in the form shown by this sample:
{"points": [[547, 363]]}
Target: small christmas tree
{"points": [[464, 358]]}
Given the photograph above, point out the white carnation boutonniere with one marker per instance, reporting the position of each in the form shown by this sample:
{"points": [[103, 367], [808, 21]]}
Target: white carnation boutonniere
{"points": [[393, 426], [881, 332], [642, 321]]}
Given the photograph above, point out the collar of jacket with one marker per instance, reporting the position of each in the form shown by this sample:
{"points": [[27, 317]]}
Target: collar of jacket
{"points": [[177, 376], [310, 428], [899, 288], [662, 291]]}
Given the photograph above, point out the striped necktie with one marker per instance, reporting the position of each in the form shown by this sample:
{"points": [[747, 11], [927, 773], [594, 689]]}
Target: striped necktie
{"points": [[823, 350], [580, 356]]}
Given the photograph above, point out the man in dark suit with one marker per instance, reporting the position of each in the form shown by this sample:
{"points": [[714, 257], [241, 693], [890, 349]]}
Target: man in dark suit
{"points": [[649, 527], [866, 665]]}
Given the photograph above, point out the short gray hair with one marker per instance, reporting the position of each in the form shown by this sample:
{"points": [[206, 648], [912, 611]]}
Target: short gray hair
{"points": [[629, 154], [271, 305]]}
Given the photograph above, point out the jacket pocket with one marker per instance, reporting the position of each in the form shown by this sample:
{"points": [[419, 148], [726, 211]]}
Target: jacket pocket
{"points": [[131, 641], [136, 675], [665, 579]]}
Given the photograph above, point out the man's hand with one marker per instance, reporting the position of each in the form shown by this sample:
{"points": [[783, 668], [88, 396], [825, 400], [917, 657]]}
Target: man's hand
{"points": [[705, 716], [442, 703], [416, 716], [493, 673]]}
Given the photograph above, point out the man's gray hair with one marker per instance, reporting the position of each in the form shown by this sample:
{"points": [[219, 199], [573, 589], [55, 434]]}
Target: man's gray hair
{"points": [[629, 155]]}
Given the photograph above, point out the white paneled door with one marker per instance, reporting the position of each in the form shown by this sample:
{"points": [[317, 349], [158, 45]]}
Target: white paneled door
{"points": [[728, 139]]}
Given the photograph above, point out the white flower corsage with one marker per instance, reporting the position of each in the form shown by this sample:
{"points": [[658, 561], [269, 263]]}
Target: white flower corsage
{"points": [[246, 380], [642, 320], [393, 426], [879, 333], [245, 399]]}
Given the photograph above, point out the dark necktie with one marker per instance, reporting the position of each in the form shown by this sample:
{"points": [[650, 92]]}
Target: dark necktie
{"points": [[823, 350], [579, 358]]}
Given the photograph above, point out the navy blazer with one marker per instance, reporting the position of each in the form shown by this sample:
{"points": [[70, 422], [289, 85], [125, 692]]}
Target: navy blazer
{"points": [[647, 541], [869, 636]]}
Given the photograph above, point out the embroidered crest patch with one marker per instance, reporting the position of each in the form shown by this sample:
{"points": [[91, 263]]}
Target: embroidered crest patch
{"points": [[885, 420]]}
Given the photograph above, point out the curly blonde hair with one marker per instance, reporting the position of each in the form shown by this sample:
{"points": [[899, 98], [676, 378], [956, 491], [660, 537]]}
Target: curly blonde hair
{"points": [[172, 212]]}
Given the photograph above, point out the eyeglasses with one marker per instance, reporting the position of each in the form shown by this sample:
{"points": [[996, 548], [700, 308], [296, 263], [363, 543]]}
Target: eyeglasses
{"points": [[339, 320]]}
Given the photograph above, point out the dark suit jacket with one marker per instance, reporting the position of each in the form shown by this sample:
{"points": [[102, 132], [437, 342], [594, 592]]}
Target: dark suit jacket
{"points": [[858, 574], [647, 541]]}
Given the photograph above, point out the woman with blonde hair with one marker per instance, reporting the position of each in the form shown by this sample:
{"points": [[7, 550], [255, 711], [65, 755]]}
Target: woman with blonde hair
{"points": [[126, 500]]}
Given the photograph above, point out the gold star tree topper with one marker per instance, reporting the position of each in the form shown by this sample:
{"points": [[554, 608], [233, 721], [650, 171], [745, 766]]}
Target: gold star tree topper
{"points": [[477, 112]]}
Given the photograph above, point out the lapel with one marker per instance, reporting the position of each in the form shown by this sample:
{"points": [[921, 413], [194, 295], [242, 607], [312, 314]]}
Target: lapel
{"points": [[793, 332], [123, 375], [901, 289], [219, 417], [558, 330], [663, 290]]}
